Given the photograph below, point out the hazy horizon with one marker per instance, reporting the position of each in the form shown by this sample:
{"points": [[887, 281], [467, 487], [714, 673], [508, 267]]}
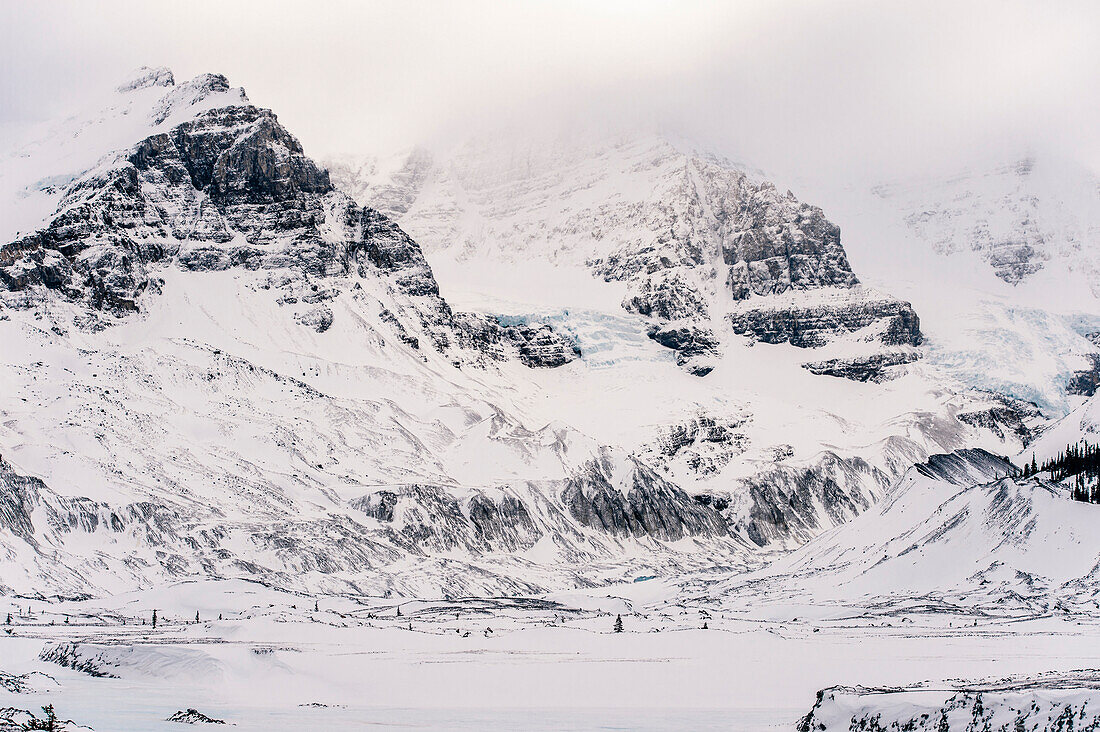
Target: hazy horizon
{"points": [[851, 91]]}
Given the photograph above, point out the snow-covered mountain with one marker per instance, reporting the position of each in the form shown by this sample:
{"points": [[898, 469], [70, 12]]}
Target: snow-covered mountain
{"points": [[605, 200], [608, 358]]}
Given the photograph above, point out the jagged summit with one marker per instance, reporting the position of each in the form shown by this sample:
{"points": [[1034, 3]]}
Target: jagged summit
{"points": [[229, 186]]}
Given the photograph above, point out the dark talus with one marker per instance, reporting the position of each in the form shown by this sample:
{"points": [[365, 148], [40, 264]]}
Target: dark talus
{"points": [[706, 443], [645, 505], [1036, 703], [876, 367], [1011, 416], [19, 496], [692, 343], [787, 501], [966, 467], [432, 519], [782, 244], [784, 268]]}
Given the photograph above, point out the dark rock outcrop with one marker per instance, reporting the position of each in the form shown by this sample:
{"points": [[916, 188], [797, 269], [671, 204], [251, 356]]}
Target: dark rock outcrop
{"points": [[791, 502], [19, 496], [875, 367], [1086, 381], [705, 443], [811, 326], [430, 518], [644, 505], [540, 346], [966, 467], [1011, 416], [695, 346], [193, 716], [1052, 702], [780, 244]]}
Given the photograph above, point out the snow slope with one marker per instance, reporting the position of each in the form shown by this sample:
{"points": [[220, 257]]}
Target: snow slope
{"points": [[951, 536]]}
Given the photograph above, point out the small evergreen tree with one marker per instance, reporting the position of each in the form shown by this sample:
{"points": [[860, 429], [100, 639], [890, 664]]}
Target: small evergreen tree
{"points": [[154, 618], [196, 616], [398, 611], [49, 722], [618, 623], [9, 618]]}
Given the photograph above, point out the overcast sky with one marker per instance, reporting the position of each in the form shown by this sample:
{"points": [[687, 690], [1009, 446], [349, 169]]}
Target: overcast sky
{"points": [[852, 89]]}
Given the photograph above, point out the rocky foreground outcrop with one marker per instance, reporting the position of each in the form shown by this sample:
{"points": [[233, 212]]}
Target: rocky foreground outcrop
{"points": [[1055, 702]]}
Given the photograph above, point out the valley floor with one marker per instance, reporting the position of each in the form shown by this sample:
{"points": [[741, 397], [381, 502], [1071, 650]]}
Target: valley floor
{"points": [[273, 663]]}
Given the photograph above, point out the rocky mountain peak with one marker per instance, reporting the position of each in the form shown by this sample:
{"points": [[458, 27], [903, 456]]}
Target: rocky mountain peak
{"points": [[228, 186]]}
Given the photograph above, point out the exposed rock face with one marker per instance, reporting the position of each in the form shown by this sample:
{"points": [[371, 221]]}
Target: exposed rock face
{"points": [[13, 719], [790, 502], [19, 496], [1086, 381], [431, 518], [814, 325], [876, 367], [536, 345], [69, 655], [194, 716], [1012, 416], [319, 318], [391, 191], [629, 499]]}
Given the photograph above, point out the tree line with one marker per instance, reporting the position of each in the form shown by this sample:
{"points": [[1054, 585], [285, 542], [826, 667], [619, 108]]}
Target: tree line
{"points": [[1080, 462]]}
